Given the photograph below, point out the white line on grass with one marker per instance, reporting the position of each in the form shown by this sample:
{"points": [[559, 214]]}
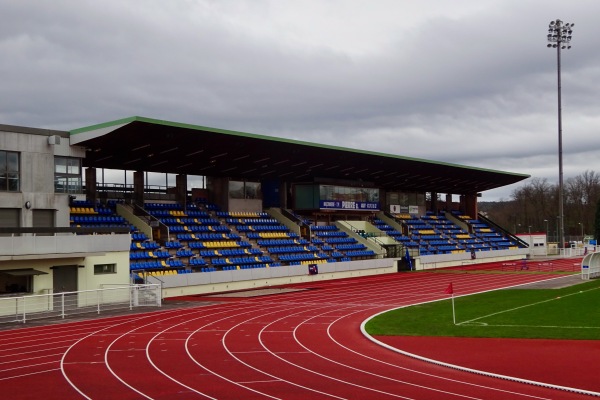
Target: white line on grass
{"points": [[527, 326], [517, 308]]}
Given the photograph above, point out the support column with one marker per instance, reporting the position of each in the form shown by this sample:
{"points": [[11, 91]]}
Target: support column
{"points": [[181, 189], [470, 205], [138, 188], [90, 185], [448, 202], [218, 191], [283, 200], [434, 203]]}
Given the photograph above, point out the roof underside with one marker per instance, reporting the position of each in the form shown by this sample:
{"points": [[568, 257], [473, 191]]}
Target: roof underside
{"points": [[142, 144]]}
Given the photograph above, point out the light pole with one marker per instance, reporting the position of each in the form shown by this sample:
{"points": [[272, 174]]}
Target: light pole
{"points": [[581, 223], [547, 236], [559, 38]]}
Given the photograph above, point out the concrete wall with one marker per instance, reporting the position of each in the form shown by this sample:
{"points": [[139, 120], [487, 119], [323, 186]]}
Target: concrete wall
{"points": [[86, 280], [20, 247], [451, 260], [221, 281], [37, 172]]}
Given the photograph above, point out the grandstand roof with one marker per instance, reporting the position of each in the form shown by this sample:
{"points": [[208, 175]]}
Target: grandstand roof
{"points": [[144, 144]]}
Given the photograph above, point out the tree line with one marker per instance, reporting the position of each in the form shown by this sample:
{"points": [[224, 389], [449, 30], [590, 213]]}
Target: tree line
{"points": [[533, 207]]}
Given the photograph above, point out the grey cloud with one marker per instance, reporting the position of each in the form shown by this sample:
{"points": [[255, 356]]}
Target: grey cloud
{"points": [[475, 87]]}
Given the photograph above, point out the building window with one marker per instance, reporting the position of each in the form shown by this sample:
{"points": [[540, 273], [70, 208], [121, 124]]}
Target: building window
{"points": [[101, 269], [9, 171], [244, 190], [347, 193], [67, 175], [10, 284]]}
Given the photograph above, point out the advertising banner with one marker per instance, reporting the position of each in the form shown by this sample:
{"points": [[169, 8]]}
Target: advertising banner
{"points": [[348, 205]]}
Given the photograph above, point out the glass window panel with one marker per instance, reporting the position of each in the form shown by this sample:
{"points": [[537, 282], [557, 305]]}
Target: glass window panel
{"points": [[60, 165], [74, 185], [12, 162], [13, 184], [252, 190], [60, 184], [67, 175], [236, 190], [73, 166], [9, 171]]}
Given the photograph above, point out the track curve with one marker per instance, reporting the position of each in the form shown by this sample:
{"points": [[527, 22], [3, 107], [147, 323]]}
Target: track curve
{"points": [[297, 345]]}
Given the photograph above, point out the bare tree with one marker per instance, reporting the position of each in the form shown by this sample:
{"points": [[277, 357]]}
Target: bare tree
{"points": [[535, 205]]}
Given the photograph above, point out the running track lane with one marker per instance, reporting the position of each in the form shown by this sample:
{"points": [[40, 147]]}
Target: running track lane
{"points": [[299, 345]]}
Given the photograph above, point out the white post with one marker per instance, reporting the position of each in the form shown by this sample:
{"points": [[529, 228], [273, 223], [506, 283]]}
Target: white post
{"points": [[453, 311]]}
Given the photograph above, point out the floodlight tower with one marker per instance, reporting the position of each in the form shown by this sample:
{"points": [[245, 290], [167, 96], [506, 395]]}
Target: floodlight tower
{"points": [[559, 38]]}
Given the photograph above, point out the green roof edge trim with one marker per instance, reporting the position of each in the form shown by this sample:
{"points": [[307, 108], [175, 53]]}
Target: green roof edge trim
{"points": [[124, 121]]}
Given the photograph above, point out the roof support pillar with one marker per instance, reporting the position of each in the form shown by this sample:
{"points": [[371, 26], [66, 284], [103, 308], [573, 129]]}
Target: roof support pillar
{"points": [[181, 189], [434, 202], [218, 191], [470, 205], [138, 187], [448, 202], [91, 191]]}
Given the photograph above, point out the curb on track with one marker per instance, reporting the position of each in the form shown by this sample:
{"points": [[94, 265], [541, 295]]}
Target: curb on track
{"points": [[466, 369]]}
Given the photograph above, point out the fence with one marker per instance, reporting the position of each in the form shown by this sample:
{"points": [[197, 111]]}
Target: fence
{"points": [[61, 305], [544, 265]]}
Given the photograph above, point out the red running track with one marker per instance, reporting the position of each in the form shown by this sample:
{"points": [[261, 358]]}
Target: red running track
{"points": [[300, 345]]}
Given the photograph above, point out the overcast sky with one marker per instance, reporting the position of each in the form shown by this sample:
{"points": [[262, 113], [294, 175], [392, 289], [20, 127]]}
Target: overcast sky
{"points": [[463, 81]]}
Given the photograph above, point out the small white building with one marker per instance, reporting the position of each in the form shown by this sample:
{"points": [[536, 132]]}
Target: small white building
{"points": [[537, 241]]}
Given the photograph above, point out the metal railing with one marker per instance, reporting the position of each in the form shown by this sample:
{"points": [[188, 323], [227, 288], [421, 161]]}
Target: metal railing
{"points": [[64, 304]]}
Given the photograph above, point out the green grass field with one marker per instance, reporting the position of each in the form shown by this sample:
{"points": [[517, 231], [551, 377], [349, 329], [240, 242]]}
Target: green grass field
{"points": [[567, 313]]}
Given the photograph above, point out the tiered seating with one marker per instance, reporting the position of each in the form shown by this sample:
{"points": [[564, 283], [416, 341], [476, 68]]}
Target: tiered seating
{"points": [[159, 272], [207, 244], [388, 230], [342, 246], [197, 262], [173, 244], [396, 235], [143, 245], [487, 235], [433, 234], [82, 207], [146, 254], [152, 260], [271, 236], [86, 214], [282, 242], [256, 225], [183, 253], [204, 203], [255, 262]]}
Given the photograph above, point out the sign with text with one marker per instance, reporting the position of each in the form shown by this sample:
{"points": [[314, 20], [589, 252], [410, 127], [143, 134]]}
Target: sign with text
{"points": [[397, 209], [348, 205]]}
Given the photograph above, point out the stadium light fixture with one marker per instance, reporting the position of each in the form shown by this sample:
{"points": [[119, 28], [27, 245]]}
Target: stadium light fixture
{"points": [[559, 38]]}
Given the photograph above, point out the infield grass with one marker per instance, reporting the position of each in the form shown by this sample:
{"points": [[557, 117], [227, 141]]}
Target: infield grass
{"points": [[568, 313]]}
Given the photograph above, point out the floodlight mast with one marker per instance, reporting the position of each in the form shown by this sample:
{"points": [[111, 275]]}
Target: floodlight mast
{"points": [[559, 38]]}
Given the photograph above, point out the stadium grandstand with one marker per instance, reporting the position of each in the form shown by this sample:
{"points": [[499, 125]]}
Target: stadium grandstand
{"points": [[269, 210]]}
